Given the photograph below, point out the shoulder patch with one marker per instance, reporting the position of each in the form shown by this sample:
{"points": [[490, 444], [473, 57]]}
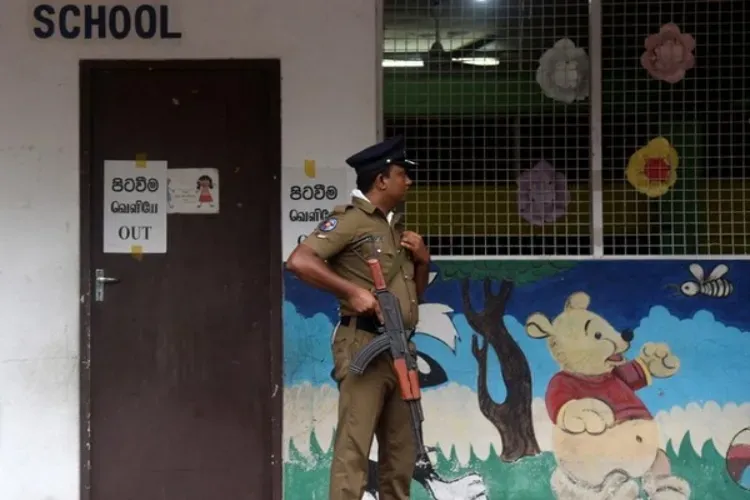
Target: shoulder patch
{"points": [[328, 225], [340, 209]]}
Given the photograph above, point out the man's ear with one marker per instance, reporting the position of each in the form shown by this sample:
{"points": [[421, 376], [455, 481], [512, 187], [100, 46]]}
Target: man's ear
{"points": [[538, 326], [380, 181]]}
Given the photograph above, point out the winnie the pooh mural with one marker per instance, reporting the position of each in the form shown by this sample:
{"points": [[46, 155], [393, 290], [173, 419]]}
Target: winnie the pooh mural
{"points": [[497, 376], [604, 437]]}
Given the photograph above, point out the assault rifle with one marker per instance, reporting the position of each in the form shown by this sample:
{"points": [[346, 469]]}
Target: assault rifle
{"points": [[394, 338]]}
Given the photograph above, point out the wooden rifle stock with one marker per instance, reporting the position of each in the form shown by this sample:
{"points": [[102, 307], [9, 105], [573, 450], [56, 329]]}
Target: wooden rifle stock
{"points": [[394, 338], [407, 376]]}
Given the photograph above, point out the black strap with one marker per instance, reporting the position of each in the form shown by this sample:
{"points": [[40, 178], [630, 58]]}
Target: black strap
{"points": [[366, 323]]}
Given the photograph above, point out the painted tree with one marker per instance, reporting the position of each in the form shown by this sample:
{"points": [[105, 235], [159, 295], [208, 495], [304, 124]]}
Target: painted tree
{"points": [[512, 417]]}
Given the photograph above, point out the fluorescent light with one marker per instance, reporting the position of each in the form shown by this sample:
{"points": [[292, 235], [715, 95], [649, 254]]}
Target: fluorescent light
{"points": [[416, 63], [402, 63], [478, 61]]}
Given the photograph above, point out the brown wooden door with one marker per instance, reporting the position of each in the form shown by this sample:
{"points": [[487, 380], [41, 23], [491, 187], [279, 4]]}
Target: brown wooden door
{"points": [[181, 365]]}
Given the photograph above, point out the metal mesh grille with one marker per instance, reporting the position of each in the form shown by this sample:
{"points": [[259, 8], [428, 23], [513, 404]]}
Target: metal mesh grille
{"points": [[473, 115], [504, 159], [703, 118]]}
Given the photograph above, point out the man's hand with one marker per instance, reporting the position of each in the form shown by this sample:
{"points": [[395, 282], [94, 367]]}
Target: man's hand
{"points": [[364, 303], [414, 243]]}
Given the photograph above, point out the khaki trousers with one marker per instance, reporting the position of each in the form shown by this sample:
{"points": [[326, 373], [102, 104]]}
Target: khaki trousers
{"points": [[369, 404]]}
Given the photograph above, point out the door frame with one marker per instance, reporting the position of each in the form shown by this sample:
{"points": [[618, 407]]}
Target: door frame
{"points": [[87, 67]]}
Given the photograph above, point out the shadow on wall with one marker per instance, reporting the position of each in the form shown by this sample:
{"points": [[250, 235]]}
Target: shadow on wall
{"points": [[526, 364]]}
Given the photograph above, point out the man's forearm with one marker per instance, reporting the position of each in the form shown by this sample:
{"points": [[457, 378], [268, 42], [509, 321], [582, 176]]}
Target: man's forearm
{"points": [[421, 276], [313, 270]]}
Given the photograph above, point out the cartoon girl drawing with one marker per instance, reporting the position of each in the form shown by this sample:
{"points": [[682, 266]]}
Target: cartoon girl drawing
{"points": [[204, 186]]}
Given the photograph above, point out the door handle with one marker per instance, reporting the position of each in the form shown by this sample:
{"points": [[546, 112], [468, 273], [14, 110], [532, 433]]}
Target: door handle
{"points": [[99, 282]]}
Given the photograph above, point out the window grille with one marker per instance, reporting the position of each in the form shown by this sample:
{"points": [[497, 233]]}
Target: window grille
{"points": [[703, 117], [460, 82]]}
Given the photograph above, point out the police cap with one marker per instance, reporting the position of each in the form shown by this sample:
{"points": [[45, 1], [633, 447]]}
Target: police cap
{"points": [[381, 155]]}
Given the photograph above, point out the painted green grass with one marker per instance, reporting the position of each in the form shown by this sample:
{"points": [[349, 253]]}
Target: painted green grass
{"points": [[306, 478]]}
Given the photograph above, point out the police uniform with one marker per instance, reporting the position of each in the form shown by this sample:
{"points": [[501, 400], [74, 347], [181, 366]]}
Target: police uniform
{"points": [[369, 404]]}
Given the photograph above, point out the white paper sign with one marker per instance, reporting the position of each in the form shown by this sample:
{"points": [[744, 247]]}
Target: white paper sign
{"points": [[307, 201], [193, 190], [135, 207]]}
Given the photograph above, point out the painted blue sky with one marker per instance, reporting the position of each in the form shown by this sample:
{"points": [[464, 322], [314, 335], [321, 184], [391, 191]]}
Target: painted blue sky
{"points": [[711, 336], [745, 479]]}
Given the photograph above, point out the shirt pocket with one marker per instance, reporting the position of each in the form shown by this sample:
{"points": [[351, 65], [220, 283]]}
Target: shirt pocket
{"points": [[381, 248], [390, 257], [387, 260]]}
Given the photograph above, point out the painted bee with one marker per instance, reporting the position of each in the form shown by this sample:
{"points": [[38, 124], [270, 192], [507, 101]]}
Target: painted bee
{"points": [[715, 285]]}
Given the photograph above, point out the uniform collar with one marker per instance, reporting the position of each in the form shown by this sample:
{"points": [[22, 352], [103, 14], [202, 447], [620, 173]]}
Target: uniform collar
{"points": [[359, 199]]}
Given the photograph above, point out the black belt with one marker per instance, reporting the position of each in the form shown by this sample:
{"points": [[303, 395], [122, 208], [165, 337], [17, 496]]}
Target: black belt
{"points": [[369, 324]]}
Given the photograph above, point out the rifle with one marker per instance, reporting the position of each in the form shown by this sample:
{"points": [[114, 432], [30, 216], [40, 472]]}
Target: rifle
{"points": [[394, 338]]}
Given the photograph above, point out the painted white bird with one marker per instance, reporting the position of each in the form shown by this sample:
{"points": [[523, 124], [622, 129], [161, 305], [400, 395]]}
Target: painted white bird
{"points": [[434, 322]]}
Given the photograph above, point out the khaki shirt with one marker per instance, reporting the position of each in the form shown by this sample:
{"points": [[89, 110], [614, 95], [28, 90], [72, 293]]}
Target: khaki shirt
{"points": [[332, 241]]}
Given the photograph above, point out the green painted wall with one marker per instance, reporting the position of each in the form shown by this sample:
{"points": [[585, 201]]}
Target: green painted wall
{"points": [[409, 92], [420, 92]]}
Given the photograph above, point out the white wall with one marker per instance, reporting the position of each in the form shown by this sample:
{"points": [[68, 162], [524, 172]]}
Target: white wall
{"points": [[328, 53]]}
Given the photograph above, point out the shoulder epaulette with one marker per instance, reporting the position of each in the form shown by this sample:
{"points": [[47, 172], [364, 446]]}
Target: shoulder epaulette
{"points": [[340, 209]]}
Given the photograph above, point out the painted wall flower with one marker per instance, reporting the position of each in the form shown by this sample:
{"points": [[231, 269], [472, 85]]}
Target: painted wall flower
{"points": [[543, 194], [669, 54], [652, 170], [563, 72]]}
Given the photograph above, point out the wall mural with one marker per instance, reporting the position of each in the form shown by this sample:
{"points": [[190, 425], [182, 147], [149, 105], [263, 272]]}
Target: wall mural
{"points": [[553, 380]]}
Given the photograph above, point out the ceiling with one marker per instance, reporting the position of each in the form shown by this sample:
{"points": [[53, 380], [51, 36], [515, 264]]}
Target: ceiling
{"points": [[479, 29]]}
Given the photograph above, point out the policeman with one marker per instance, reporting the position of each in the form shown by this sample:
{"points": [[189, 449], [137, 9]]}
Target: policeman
{"points": [[333, 258]]}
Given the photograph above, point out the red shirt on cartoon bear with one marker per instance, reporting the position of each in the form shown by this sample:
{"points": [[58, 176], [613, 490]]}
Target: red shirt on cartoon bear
{"points": [[616, 389]]}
